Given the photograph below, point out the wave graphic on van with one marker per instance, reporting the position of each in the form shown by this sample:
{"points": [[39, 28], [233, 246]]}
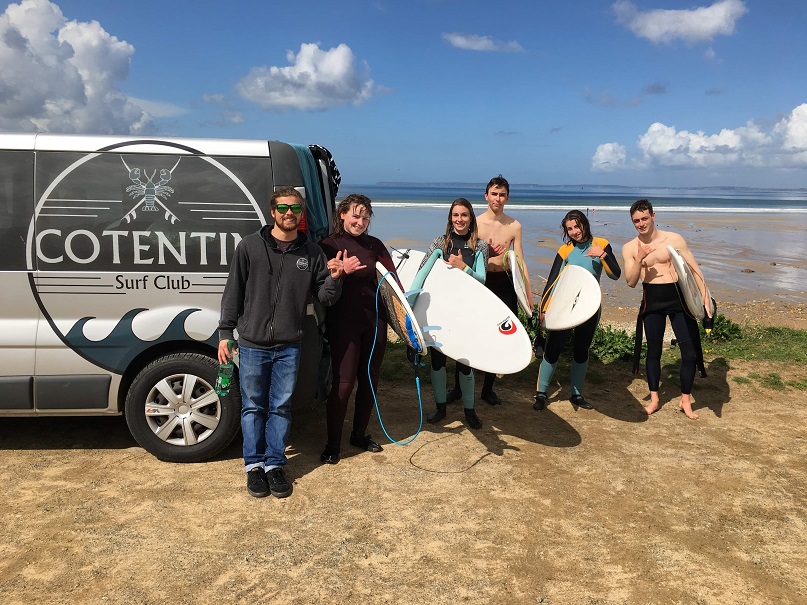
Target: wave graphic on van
{"points": [[117, 350]]}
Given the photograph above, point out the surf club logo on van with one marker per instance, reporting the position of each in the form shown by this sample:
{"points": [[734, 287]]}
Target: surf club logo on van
{"points": [[155, 268]]}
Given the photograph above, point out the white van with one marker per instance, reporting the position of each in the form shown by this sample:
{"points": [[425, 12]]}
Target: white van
{"points": [[115, 253]]}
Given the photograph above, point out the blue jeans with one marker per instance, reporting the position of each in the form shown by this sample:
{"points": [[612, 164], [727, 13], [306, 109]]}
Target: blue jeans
{"points": [[267, 378]]}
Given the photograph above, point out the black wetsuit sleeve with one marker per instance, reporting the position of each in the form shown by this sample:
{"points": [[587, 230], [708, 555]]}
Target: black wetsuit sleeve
{"points": [[557, 265], [611, 264]]}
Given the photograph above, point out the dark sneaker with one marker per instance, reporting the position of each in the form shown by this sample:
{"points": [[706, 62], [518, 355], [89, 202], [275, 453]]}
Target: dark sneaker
{"points": [[539, 401], [279, 487], [454, 394], [579, 402], [491, 397], [256, 483], [330, 455], [472, 419], [365, 443]]}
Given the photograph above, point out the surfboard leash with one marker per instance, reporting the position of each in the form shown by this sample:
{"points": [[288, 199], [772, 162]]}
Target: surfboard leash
{"points": [[416, 362]]}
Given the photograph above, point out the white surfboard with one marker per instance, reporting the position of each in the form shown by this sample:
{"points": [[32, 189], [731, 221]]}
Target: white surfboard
{"points": [[467, 322], [689, 286], [515, 268], [400, 315], [575, 298]]}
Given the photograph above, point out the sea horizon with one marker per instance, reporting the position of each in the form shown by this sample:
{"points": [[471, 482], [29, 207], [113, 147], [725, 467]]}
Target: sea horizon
{"points": [[589, 197]]}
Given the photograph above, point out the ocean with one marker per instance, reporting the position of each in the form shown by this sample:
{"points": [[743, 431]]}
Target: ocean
{"points": [[599, 197], [750, 243]]}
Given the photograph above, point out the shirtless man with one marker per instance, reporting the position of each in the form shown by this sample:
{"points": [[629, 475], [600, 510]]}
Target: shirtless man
{"points": [[501, 232], [646, 258]]}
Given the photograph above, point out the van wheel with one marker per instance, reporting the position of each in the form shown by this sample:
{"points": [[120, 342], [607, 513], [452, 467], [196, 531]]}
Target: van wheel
{"points": [[174, 413]]}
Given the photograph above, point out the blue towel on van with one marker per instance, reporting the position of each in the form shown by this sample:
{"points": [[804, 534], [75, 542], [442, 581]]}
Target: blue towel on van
{"points": [[315, 206]]}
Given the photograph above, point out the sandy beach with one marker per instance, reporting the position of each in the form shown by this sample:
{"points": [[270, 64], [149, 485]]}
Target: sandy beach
{"points": [[558, 507]]}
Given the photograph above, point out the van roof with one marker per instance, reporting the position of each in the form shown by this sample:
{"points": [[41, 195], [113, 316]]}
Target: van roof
{"points": [[144, 144]]}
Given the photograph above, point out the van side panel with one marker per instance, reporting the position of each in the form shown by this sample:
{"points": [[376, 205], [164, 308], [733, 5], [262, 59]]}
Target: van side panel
{"points": [[132, 252], [16, 393], [19, 316], [71, 392]]}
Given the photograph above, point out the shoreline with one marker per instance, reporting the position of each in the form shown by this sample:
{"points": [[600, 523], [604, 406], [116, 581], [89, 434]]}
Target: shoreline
{"points": [[755, 264]]}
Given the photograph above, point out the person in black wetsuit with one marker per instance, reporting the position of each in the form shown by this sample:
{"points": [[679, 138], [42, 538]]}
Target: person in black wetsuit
{"points": [[462, 249], [646, 258], [351, 326], [594, 254], [501, 232]]}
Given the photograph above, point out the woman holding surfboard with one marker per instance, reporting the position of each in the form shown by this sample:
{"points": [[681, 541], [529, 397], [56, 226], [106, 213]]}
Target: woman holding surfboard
{"points": [[461, 248], [593, 254], [351, 324]]}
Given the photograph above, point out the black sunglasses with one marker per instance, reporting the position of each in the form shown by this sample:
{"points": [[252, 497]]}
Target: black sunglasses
{"points": [[284, 208]]}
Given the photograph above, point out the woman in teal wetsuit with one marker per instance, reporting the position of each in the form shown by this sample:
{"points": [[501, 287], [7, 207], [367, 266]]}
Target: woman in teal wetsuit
{"points": [[462, 249], [593, 254]]}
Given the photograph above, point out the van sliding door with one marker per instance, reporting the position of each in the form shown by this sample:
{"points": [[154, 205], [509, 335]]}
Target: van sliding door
{"points": [[20, 313]]}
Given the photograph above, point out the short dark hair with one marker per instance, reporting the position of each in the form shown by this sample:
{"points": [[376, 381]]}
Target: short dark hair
{"points": [[641, 206], [498, 181], [285, 192]]}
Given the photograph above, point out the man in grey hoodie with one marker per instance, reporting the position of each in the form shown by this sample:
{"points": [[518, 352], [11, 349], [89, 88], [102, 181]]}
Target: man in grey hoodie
{"points": [[271, 275]]}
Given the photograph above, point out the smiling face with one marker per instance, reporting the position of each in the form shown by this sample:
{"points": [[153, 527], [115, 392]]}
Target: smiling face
{"points": [[574, 231], [356, 220], [644, 221], [287, 221], [460, 219]]}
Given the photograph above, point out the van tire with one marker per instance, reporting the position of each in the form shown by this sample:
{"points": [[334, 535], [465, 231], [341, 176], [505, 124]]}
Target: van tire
{"points": [[201, 423]]}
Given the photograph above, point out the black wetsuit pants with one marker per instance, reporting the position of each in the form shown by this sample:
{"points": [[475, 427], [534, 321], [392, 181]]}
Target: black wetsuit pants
{"points": [[686, 333], [499, 283], [350, 353]]}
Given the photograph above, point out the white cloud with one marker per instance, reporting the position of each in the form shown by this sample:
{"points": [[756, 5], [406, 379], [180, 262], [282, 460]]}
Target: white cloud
{"points": [[481, 43], [793, 129], [317, 79], [749, 146], [159, 110], [608, 157], [694, 25], [62, 76]]}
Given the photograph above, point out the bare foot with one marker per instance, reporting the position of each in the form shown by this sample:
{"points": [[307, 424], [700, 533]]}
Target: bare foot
{"points": [[653, 407], [686, 408]]}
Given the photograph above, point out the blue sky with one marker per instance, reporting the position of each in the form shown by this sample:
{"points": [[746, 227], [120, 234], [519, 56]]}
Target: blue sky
{"points": [[641, 92]]}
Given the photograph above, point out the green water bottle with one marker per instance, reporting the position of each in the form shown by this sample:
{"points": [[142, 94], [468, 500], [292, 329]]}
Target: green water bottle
{"points": [[225, 375]]}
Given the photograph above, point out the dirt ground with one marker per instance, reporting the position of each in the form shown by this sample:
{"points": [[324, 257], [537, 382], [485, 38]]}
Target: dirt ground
{"points": [[556, 507]]}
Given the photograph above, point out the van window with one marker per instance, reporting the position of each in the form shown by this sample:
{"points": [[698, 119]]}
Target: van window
{"points": [[16, 206]]}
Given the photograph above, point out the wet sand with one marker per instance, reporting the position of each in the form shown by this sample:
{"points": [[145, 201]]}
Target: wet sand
{"points": [[755, 264]]}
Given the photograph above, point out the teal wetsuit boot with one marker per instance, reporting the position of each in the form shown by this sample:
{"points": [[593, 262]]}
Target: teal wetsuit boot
{"points": [[467, 388], [578, 377], [439, 389]]}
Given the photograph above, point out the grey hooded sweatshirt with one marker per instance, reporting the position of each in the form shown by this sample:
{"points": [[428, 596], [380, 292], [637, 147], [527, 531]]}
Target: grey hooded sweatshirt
{"points": [[267, 290]]}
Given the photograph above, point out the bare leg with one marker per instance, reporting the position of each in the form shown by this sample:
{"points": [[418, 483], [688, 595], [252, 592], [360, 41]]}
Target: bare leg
{"points": [[686, 407], [653, 403]]}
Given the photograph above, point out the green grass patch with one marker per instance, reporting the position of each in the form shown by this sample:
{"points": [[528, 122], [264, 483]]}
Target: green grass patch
{"points": [[612, 351], [770, 381], [762, 343]]}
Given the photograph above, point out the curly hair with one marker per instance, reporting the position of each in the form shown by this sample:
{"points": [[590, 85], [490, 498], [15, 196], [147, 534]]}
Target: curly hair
{"points": [[354, 199]]}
